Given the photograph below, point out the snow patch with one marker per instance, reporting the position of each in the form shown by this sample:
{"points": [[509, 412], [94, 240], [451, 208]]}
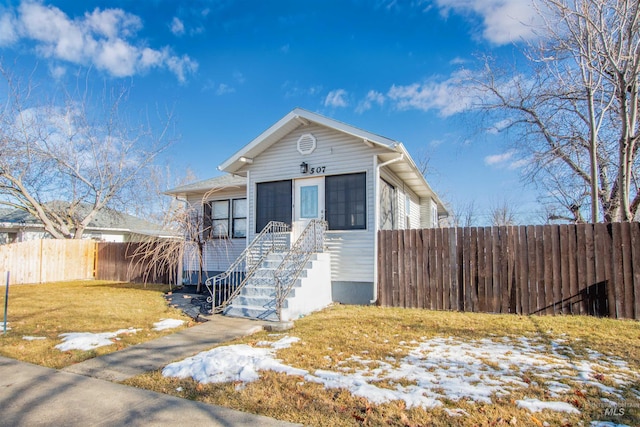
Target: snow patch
{"points": [[88, 341], [434, 371], [232, 363], [535, 405], [30, 338], [167, 324]]}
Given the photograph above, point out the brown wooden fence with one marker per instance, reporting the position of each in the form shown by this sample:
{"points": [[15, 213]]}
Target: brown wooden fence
{"points": [[51, 260], [552, 269], [113, 262]]}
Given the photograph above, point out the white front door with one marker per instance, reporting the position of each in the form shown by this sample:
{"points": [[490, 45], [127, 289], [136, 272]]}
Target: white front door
{"points": [[308, 202]]}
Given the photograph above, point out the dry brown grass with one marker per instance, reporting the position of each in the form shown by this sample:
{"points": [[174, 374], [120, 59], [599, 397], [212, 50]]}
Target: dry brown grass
{"points": [[47, 310], [342, 331]]}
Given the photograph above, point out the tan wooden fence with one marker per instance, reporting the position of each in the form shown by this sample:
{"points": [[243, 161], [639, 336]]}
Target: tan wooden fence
{"points": [[551, 269], [47, 260], [51, 260]]}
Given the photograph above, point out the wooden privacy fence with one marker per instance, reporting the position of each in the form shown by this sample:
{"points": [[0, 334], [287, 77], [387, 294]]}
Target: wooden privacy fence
{"points": [[113, 262], [551, 269], [52, 260], [48, 260]]}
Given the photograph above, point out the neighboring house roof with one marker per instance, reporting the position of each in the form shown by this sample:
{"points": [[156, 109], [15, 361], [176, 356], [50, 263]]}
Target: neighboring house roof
{"points": [[224, 181], [403, 165], [106, 220]]}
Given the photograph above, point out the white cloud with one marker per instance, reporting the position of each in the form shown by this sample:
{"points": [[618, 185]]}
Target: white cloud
{"points": [[57, 71], [293, 89], [499, 126], [373, 97], [103, 38], [497, 159], [336, 98], [224, 89], [506, 160], [177, 26], [504, 21], [443, 96], [8, 33]]}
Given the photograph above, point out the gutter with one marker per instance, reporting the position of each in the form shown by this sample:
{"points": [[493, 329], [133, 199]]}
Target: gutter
{"points": [[376, 222]]}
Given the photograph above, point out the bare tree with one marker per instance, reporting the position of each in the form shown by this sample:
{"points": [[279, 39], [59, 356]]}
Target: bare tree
{"points": [[463, 214], [502, 214], [191, 224], [65, 161], [575, 110]]}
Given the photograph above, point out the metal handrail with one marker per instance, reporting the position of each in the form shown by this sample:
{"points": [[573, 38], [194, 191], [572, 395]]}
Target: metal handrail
{"points": [[224, 287], [310, 241]]}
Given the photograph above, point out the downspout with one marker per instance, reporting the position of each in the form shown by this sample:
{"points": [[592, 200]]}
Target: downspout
{"points": [[376, 221]]}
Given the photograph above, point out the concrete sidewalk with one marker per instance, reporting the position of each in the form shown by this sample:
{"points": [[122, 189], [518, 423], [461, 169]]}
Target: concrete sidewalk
{"points": [[32, 395], [157, 353]]}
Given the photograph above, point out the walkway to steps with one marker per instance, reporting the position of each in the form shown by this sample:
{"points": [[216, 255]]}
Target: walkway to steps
{"points": [[78, 395], [155, 354]]}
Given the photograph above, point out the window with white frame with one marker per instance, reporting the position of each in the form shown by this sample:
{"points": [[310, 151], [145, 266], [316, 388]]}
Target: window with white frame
{"points": [[225, 218]]}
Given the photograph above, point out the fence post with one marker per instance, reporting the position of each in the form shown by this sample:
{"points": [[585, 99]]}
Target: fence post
{"points": [[6, 304]]}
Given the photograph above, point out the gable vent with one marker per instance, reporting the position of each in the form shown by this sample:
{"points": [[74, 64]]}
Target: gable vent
{"points": [[306, 143]]}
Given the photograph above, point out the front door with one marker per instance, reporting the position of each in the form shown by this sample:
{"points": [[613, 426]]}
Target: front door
{"points": [[308, 201]]}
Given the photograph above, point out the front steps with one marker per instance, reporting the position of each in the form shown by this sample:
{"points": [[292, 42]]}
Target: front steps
{"points": [[311, 291]]}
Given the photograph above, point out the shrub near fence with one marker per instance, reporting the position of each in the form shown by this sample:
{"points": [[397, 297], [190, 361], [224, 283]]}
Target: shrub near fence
{"points": [[552, 269], [113, 262]]}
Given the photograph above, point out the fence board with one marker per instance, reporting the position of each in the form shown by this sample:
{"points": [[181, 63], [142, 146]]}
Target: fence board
{"points": [[627, 271], [523, 272], [584, 268], [635, 259]]}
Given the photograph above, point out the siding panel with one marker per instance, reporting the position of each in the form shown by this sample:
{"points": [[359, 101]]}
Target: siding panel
{"points": [[338, 153]]}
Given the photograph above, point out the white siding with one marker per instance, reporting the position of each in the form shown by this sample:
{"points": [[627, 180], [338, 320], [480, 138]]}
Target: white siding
{"points": [[352, 251], [219, 254], [415, 211]]}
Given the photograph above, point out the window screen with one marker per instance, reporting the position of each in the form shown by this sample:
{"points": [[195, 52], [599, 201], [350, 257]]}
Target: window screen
{"points": [[273, 203], [220, 218], [346, 201], [240, 218]]}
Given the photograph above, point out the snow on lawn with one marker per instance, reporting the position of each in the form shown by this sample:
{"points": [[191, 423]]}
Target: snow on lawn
{"points": [[30, 338], [438, 368], [88, 341], [167, 324]]}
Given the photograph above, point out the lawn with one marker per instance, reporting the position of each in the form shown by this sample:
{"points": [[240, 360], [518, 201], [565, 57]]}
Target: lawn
{"points": [[38, 314], [351, 365]]}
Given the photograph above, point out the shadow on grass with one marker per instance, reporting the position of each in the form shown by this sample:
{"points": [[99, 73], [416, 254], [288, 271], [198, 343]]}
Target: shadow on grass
{"points": [[155, 287]]}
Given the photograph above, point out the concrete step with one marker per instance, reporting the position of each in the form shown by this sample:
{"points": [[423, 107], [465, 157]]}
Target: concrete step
{"points": [[252, 312], [257, 301]]}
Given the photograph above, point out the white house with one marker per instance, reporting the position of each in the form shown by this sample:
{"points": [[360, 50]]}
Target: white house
{"points": [[309, 166], [108, 225]]}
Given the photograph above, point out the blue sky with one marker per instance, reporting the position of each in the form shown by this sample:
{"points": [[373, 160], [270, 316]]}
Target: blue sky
{"points": [[230, 69]]}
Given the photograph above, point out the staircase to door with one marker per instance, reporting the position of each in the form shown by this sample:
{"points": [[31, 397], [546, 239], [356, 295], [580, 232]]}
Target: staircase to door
{"points": [[281, 283]]}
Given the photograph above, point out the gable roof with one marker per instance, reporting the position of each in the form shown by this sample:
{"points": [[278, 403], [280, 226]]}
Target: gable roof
{"points": [[403, 165], [224, 181], [296, 118], [106, 220]]}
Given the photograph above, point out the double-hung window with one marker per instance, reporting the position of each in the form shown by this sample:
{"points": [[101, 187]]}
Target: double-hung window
{"points": [[346, 201], [225, 218]]}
